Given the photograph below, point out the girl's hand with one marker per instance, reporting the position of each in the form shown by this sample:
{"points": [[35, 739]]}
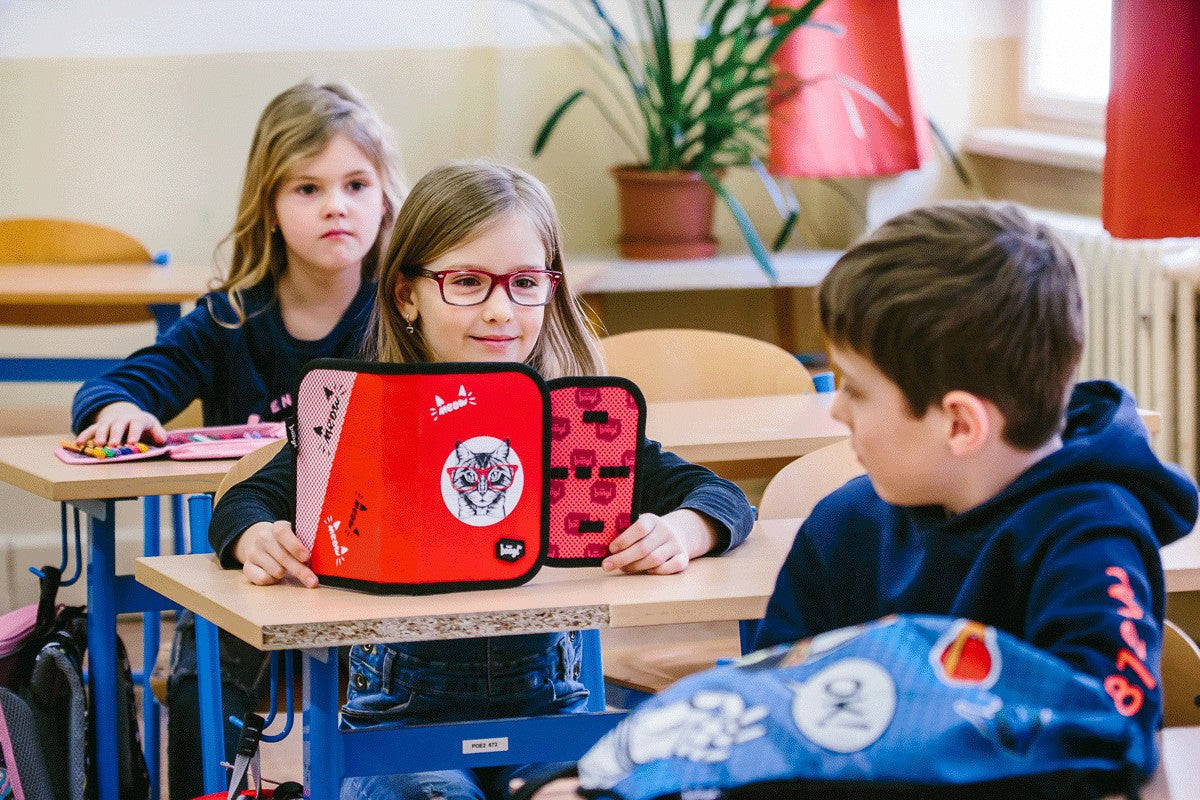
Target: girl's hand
{"points": [[269, 551], [661, 545], [121, 423]]}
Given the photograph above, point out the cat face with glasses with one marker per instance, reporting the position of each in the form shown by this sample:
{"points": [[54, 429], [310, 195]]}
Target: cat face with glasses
{"points": [[457, 308]]}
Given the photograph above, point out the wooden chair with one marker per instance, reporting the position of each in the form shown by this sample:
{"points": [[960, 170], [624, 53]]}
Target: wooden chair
{"points": [[1180, 677], [61, 241], [798, 487], [686, 364]]}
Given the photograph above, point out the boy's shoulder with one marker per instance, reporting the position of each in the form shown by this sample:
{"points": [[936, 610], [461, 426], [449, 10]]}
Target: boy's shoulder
{"points": [[852, 506]]}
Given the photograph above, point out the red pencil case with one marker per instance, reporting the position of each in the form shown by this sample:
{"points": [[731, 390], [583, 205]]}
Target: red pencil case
{"points": [[422, 478], [189, 444]]}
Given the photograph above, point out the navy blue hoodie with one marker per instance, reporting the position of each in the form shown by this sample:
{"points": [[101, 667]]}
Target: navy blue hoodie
{"points": [[1065, 557]]}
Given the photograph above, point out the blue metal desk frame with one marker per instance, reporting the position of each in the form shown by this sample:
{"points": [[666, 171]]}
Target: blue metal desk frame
{"points": [[108, 595], [331, 754], [106, 591], [123, 593]]}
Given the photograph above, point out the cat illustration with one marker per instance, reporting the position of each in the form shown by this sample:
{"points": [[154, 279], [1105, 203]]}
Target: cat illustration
{"points": [[482, 480]]}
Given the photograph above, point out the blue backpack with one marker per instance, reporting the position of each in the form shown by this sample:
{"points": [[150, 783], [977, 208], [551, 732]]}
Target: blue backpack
{"points": [[908, 706]]}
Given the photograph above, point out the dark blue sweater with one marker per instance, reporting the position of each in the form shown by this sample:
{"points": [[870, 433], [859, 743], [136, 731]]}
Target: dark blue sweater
{"points": [[235, 371], [669, 482], [1065, 557]]}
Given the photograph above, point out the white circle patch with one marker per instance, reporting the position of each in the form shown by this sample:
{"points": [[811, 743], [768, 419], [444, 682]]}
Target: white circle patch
{"points": [[482, 480], [847, 706]]}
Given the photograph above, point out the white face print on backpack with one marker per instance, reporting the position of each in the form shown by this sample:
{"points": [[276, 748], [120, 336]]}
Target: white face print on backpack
{"points": [[845, 707]]}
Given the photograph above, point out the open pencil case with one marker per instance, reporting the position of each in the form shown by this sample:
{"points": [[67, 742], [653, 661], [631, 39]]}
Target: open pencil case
{"points": [[194, 444], [421, 478]]}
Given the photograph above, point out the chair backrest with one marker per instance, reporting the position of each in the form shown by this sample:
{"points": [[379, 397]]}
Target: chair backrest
{"points": [[1180, 677], [62, 241], [686, 364], [798, 487], [247, 465]]}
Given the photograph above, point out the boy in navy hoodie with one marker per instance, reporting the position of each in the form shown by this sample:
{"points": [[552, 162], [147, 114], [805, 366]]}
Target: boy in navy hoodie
{"points": [[996, 489]]}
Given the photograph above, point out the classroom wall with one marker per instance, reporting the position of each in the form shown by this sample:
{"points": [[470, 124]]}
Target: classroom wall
{"points": [[139, 116]]}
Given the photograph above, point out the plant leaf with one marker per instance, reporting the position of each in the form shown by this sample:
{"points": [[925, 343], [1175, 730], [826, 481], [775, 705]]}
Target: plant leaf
{"points": [[959, 168], [785, 232], [548, 126], [748, 232]]}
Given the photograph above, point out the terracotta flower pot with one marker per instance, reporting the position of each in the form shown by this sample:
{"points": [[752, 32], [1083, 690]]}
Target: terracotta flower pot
{"points": [[664, 215]]}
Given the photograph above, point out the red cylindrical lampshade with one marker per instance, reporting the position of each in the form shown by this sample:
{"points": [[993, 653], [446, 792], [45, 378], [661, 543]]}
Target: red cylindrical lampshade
{"points": [[812, 134], [1152, 158]]}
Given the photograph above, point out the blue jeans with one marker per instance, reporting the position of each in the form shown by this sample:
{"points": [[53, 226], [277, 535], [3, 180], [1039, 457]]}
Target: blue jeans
{"points": [[454, 681]]}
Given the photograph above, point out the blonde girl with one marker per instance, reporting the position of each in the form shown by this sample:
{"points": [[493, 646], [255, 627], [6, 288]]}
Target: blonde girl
{"points": [[319, 197], [474, 272]]}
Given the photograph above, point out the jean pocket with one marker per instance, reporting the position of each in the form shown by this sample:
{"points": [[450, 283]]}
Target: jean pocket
{"points": [[367, 710], [569, 690]]}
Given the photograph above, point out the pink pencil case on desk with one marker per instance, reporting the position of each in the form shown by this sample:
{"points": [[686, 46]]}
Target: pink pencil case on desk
{"points": [[194, 444]]}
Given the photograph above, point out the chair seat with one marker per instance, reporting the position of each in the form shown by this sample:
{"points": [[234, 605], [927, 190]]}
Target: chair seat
{"points": [[650, 669]]}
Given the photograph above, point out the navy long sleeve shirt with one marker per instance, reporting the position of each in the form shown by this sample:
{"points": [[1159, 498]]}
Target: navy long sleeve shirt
{"points": [[235, 371], [669, 483]]}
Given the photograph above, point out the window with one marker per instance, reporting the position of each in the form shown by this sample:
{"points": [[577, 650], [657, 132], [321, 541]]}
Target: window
{"points": [[1065, 76]]}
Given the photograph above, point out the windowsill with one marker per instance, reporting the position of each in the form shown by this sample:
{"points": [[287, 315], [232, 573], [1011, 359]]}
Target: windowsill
{"points": [[1037, 147]]}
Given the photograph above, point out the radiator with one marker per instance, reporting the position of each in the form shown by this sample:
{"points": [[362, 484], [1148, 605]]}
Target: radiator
{"points": [[1140, 300]]}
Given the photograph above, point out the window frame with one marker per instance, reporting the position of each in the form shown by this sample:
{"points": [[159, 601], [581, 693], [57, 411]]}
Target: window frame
{"points": [[1045, 110]]}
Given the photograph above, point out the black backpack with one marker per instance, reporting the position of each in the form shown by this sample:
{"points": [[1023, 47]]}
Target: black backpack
{"points": [[47, 745]]}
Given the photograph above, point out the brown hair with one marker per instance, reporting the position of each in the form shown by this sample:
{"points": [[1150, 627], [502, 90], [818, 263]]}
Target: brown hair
{"points": [[964, 296], [447, 208], [295, 126]]}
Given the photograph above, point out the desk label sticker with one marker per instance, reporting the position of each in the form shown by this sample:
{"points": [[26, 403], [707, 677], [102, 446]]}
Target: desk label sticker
{"points": [[496, 744]]}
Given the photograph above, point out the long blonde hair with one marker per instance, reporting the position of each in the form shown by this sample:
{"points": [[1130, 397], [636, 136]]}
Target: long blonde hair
{"points": [[295, 126], [447, 208]]}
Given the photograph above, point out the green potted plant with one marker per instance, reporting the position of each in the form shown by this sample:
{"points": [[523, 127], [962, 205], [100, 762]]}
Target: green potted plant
{"points": [[685, 121]]}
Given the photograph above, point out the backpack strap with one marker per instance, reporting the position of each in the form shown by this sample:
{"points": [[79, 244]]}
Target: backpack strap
{"points": [[247, 759], [47, 601]]}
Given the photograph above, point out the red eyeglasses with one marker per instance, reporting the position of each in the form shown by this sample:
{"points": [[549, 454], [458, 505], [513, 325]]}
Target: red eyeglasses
{"points": [[470, 287]]}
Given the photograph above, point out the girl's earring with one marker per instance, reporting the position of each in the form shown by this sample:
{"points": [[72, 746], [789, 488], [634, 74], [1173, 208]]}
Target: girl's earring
{"points": [[409, 329]]}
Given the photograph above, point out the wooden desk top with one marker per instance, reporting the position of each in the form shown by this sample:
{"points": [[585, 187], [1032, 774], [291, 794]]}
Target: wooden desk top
{"points": [[29, 463], [1181, 562], [787, 426], [745, 428], [732, 587], [101, 284]]}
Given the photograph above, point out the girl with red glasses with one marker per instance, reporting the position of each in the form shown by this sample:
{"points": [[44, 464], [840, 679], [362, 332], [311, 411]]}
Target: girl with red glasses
{"points": [[474, 272]]}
